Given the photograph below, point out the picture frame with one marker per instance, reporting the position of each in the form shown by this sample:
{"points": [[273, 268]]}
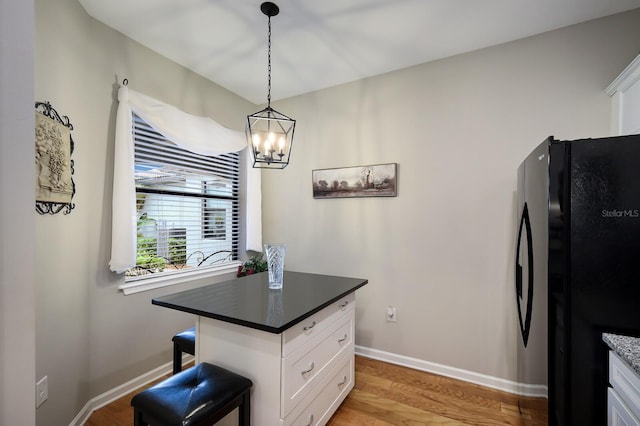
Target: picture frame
{"points": [[55, 187], [377, 180]]}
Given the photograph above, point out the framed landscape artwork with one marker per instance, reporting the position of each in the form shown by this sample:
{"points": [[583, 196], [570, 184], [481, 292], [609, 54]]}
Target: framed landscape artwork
{"points": [[379, 180]]}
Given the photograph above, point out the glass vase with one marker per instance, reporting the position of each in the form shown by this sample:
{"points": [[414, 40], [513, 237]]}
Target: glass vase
{"points": [[275, 263]]}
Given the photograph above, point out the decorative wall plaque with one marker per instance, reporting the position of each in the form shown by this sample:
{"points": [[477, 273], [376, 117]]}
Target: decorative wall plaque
{"points": [[55, 187]]}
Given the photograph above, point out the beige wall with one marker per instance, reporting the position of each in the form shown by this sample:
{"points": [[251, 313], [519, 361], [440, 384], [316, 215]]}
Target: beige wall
{"points": [[441, 251], [17, 216], [91, 338]]}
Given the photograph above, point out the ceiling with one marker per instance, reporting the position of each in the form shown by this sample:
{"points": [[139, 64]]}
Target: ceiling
{"points": [[323, 43]]}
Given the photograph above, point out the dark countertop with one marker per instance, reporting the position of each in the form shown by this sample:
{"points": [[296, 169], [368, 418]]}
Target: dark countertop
{"points": [[248, 301], [626, 347]]}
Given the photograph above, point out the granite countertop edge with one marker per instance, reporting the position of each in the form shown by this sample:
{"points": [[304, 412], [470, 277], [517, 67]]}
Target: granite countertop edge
{"points": [[626, 347]]}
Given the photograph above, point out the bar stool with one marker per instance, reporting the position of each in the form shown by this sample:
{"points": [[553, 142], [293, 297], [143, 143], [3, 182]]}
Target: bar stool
{"points": [[198, 396], [185, 341]]}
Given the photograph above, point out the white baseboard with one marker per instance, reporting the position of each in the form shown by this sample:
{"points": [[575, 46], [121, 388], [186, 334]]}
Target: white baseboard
{"points": [[455, 373], [118, 392]]}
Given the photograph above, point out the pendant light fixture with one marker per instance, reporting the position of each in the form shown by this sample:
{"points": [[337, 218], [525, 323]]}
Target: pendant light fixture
{"points": [[270, 133]]}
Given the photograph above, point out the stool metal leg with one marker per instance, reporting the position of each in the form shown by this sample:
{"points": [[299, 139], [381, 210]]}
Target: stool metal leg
{"points": [[244, 410], [177, 358], [137, 418]]}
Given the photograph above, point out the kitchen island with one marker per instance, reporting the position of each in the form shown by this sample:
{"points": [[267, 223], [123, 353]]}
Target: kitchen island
{"points": [[296, 344]]}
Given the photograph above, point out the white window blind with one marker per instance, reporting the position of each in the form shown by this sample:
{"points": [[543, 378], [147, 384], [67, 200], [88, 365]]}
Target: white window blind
{"points": [[186, 204]]}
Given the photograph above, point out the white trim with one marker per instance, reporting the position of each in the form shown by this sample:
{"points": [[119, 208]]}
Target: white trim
{"points": [[151, 282], [626, 79], [119, 391], [455, 373]]}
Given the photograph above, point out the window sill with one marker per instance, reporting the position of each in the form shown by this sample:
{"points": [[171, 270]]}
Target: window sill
{"points": [[140, 284]]}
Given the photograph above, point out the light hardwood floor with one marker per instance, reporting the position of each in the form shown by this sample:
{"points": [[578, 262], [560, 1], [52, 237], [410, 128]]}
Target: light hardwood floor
{"points": [[387, 394]]}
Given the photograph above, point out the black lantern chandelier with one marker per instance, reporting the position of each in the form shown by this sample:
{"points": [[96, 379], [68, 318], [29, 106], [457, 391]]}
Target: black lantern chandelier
{"points": [[270, 133]]}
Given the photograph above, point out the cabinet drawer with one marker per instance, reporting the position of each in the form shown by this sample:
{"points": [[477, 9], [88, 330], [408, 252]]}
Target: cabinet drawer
{"points": [[625, 381], [304, 331], [618, 414], [303, 369], [318, 407]]}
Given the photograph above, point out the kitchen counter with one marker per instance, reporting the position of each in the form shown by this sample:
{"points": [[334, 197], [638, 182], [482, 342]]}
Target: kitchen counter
{"points": [[249, 302], [626, 347]]}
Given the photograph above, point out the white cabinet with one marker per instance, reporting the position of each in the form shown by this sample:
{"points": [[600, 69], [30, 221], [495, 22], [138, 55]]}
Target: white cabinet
{"points": [[623, 399], [301, 376], [304, 368], [318, 407], [625, 100]]}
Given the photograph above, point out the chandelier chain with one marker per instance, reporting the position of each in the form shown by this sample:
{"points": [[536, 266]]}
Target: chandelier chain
{"points": [[269, 67]]}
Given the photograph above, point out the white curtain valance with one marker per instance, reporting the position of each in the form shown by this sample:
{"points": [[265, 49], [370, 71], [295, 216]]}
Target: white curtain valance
{"points": [[201, 135]]}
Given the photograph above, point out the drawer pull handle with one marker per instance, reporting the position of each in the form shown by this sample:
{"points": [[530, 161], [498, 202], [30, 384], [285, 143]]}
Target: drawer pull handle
{"points": [[343, 339], [344, 305], [311, 367], [310, 420], [309, 327], [343, 382]]}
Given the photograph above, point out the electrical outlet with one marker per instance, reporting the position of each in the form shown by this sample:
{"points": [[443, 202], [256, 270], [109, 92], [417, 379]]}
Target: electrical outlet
{"points": [[391, 313], [42, 391]]}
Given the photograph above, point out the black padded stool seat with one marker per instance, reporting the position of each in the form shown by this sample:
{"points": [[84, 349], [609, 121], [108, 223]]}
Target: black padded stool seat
{"points": [[184, 341], [200, 395]]}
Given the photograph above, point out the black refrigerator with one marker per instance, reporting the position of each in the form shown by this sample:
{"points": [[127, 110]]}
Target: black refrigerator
{"points": [[577, 269]]}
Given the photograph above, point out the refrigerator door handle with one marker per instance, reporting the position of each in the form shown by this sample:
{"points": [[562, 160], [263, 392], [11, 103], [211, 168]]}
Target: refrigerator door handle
{"points": [[525, 326]]}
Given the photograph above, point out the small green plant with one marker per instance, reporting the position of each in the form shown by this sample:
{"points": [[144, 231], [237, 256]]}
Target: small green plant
{"points": [[147, 247], [178, 250], [253, 265], [150, 262]]}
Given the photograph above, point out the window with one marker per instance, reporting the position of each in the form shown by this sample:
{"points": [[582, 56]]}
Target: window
{"points": [[215, 218], [186, 204]]}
